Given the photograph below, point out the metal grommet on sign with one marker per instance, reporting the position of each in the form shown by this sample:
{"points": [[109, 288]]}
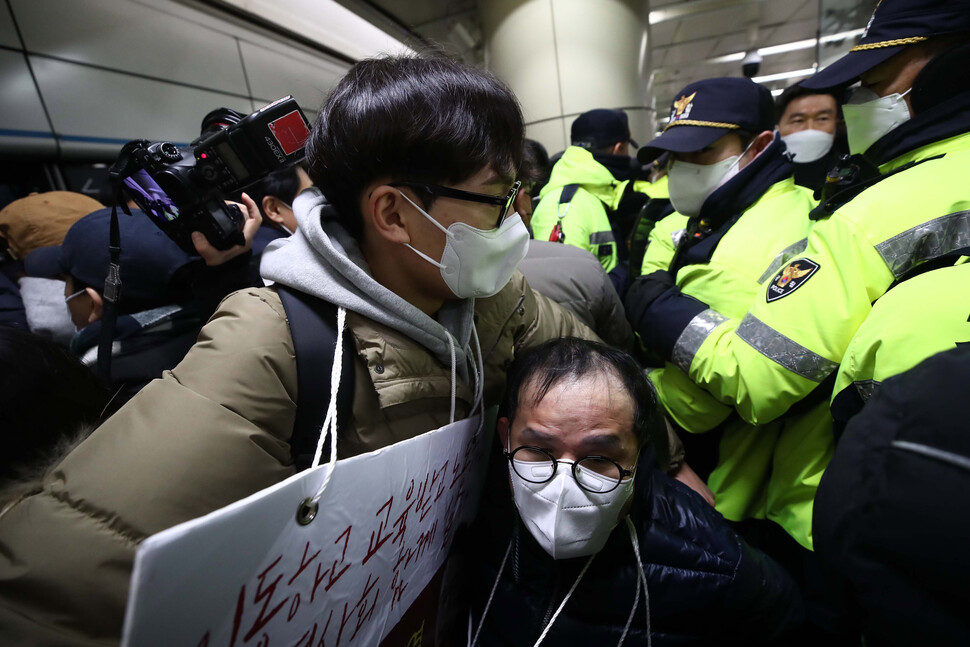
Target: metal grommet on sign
{"points": [[379, 369], [307, 511]]}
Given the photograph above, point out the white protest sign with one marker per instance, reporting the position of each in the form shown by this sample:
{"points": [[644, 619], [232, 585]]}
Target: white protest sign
{"points": [[249, 574]]}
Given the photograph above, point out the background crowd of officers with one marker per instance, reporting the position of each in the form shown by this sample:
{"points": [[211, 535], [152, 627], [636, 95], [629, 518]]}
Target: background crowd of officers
{"points": [[789, 275]]}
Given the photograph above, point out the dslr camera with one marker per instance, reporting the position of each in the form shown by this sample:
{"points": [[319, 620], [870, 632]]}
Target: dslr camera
{"points": [[184, 189]]}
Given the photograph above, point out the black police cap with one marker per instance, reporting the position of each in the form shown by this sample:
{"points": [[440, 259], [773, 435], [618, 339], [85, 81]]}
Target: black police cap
{"points": [[894, 24], [600, 128], [705, 111]]}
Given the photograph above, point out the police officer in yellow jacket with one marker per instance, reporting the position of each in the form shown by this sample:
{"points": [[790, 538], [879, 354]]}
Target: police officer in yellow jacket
{"points": [[590, 201], [920, 317], [740, 217], [903, 202]]}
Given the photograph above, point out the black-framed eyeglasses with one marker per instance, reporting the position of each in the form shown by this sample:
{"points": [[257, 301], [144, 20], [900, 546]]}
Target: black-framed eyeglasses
{"points": [[505, 202], [596, 474]]}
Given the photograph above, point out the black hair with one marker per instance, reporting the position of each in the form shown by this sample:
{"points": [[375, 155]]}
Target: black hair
{"points": [[793, 92], [411, 118], [535, 163], [282, 184], [46, 394], [545, 365]]}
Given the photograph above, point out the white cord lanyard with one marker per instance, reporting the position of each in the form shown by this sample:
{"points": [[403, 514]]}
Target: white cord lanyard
{"points": [[641, 581], [330, 421]]}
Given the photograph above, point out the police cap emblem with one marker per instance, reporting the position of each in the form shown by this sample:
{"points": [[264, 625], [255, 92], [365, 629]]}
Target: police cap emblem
{"points": [[681, 107], [790, 278]]}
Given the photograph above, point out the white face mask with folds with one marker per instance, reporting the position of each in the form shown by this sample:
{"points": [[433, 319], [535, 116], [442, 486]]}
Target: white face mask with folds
{"points": [[477, 262], [808, 145], [691, 184], [869, 117], [566, 520]]}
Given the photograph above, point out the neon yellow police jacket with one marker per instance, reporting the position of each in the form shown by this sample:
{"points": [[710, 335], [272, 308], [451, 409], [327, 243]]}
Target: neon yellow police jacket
{"points": [[584, 220], [920, 317], [761, 471], [799, 327]]}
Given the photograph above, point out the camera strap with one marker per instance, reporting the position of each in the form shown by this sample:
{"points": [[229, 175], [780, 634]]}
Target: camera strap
{"points": [[112, 289]]}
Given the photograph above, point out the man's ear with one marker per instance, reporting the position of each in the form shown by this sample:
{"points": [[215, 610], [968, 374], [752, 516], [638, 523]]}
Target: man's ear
{"points": [[620, 148], [97, 305], [502, 426], [388, 212], [271, 207], [758, 144]]}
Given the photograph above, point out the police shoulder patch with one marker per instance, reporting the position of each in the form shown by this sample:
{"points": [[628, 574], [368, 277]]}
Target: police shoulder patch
{"points": [[790, 278]]}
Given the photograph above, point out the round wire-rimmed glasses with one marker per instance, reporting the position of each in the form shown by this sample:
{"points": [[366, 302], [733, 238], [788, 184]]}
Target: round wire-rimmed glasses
{"points": [[506, 201], [596, 474]]}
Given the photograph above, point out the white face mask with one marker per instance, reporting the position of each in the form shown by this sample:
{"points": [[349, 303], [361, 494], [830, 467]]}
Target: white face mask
{"points": [[691, 184], [475, 262], [869, 117], [565, 519], [808, 145]]}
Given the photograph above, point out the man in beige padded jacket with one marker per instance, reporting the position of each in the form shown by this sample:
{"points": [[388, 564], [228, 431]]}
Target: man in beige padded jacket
{"points": [[416, 240]]}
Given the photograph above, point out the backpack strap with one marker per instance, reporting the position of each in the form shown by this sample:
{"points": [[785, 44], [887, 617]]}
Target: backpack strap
{"points": [[313, 326]]}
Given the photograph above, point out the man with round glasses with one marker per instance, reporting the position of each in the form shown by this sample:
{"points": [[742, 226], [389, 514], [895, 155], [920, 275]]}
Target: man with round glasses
{"points": [[582, 540]]}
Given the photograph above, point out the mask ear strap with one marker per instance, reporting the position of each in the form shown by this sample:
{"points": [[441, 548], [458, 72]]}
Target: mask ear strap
{"points": [[440, 266], [437, 224], [425, 214]]}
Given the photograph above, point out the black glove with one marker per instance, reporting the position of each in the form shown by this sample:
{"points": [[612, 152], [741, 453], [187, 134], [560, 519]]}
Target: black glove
{"points": [[644, 292]]}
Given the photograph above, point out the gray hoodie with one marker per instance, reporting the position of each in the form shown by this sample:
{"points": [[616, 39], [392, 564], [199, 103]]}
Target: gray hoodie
{"points": [[323, 260]]}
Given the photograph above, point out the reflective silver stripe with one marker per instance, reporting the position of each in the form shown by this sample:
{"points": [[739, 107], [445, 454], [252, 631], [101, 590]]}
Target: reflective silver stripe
{"points": [[601, 237], [678, 236], [778, 348], [786, 255], [924, 242], [690, 340], [957, 460], [865, 388]]}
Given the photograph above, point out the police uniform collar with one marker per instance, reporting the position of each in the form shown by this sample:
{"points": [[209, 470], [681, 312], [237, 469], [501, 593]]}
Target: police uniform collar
{"points": [[937, 123]]}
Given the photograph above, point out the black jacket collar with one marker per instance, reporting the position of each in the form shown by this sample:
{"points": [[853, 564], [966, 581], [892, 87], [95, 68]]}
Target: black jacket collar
{"points": [[937, 123]]}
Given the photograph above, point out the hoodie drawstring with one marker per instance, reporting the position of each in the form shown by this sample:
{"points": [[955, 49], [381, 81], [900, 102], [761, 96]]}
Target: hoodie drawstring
{"points": [[454, 383], [479, 372]]}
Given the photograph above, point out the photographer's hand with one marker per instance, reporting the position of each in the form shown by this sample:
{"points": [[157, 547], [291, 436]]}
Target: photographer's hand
{"points": [[213, 256]]}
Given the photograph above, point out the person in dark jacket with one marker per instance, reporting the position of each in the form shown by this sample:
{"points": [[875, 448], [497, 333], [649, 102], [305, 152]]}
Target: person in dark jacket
{"points": [[581, 541], [890, 523], [157, 319], [810, 124]]}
